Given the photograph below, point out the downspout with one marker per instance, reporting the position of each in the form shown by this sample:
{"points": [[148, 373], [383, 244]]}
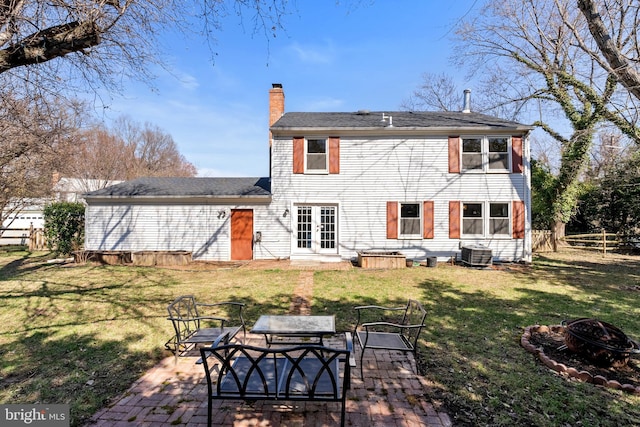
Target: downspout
{"points": [[527, 242]]}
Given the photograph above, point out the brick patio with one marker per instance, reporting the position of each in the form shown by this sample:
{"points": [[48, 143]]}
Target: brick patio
{"points": [[174, 395]]}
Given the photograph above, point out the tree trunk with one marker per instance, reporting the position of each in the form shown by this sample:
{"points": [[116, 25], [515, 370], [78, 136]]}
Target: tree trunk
{"points": [[557, 234]]}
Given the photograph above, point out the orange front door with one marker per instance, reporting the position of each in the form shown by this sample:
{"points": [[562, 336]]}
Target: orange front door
{"points": [[241, 234]]}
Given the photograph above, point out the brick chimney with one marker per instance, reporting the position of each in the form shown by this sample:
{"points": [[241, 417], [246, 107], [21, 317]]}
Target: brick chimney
{"points": [[276, 105]]}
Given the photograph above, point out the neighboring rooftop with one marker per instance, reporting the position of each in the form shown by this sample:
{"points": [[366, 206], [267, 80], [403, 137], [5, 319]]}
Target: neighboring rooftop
{"points": [[187, 187]]}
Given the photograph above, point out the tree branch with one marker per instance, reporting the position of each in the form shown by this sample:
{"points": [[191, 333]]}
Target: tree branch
{"points": [[50, 43], [619, 65]]}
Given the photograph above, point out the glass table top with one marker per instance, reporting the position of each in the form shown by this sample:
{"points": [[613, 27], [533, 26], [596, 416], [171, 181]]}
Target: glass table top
{"points": [[283, 325]]}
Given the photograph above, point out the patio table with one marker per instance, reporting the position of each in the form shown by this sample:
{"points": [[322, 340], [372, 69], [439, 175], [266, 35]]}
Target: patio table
{"points": [[294, 326]]}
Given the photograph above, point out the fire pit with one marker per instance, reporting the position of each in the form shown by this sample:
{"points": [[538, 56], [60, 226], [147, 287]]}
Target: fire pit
{"points": [[600, 342]]}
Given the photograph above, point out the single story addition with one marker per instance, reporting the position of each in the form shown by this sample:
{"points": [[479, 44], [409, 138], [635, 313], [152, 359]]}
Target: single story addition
{"points": [[421, 183]]}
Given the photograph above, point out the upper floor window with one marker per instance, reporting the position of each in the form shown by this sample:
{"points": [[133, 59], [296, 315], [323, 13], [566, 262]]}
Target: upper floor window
{"points": [[316, 155], [472, 153], [492, 217], [498, 153], [485, 154]]}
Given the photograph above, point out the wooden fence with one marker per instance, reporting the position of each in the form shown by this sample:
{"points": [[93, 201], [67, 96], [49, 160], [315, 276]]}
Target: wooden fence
{"points": [[597, 241], [33, 238], [543, 241]]}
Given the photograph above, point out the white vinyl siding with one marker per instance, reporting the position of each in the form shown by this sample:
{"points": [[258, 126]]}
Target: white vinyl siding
{"points": [[375, 170], [199, 229]]}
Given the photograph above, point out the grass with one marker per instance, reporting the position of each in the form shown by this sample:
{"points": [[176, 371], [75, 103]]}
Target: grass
{"points": [[82, 334]]}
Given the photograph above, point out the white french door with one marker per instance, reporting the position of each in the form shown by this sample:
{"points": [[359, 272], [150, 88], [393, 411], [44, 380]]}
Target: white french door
{"points": [[316, 229]]}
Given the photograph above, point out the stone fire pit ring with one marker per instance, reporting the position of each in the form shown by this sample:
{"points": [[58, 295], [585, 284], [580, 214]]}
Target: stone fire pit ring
{"points": [[599, 341], [561, 368]]}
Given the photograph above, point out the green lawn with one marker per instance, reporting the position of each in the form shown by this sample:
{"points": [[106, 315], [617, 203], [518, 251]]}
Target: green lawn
{"points": [[82, 334]]}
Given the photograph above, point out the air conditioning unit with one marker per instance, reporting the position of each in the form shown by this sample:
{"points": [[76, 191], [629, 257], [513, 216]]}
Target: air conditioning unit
{"points": [[477, 255]]}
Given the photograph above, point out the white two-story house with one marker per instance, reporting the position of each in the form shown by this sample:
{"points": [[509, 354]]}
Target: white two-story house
{"points": [[420, 183]]}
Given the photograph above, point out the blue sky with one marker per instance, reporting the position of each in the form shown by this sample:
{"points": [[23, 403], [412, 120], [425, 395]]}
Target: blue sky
{"points": [[332, 56]]}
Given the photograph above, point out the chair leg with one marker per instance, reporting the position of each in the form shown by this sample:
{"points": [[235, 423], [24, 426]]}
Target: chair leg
{"points": [[361, 358]]}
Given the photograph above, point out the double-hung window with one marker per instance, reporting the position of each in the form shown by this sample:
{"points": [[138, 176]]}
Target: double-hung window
{"points": [[410, 220], [317, 156], [472, 222], [498, 153], [486, 154], [485, 219], [472, 153], [499, 219]]}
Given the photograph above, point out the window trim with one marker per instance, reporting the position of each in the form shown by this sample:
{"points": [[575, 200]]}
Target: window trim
{"points": [[486, 219], [508, 218], [324, 171], [419, 235], [482, 219], [484, 152]]}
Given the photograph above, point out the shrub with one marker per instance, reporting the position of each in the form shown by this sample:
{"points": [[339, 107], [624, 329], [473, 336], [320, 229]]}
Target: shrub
{"points": [[64, 226]]}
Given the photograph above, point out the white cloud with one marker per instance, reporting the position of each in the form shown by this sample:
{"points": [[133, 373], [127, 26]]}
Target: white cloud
{"points": [[313, 54], [188, 81]]}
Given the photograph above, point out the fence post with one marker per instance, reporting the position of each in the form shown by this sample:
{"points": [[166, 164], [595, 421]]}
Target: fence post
{"points": [[31, 238], [604, 242]]}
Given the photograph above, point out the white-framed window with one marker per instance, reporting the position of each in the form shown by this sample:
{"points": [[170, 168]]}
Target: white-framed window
{"points": [[410, 220], [486, 219], [316, 155], [486, 154], [499, 221]]}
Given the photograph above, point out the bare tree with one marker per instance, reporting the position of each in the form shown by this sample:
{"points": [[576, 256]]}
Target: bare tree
{"points": [[618, 46], [149, 151], [529, 51], [33, 131], [45, 45], [96, 159], [610, 149], [129, 150], [437, 92]]}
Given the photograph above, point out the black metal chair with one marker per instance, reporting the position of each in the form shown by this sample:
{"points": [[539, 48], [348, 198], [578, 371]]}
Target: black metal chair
{"points": [[299, 373], [389, 328], [189, 318]]}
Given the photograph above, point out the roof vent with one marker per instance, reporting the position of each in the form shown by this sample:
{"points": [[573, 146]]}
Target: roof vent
{"points": [[467, 101], [363, 112], [385, 118]]}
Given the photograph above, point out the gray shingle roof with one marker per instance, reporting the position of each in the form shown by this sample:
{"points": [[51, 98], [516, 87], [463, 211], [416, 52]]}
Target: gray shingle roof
{"points": [[401, 119], [187, 187]]}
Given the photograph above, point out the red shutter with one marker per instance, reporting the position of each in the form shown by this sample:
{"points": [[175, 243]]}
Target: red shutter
{"points": [[454, 154], [454, 220], [427, 209], [518, 219], [298, 155], [334, 154], [392, 220], [516, 154]]}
